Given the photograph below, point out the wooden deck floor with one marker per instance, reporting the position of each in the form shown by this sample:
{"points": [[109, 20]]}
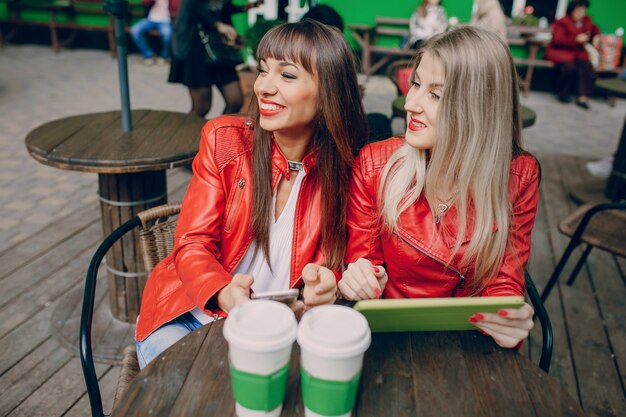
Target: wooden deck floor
{"points": [[41, 376]]}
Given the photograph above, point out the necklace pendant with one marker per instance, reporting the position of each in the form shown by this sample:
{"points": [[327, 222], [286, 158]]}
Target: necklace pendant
{"points": [[437, 218], [442, 207], [295, 165]]}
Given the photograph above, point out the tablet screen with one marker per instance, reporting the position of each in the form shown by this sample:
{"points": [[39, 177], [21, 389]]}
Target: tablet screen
{"points": [[430, 314]]}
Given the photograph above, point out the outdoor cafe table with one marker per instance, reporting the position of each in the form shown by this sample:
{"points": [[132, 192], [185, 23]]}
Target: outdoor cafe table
{"points": [[405, 374], [131, 176], [601, 190], [528, 115]]}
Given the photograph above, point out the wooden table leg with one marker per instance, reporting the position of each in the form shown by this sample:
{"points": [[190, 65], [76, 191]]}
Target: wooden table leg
{"points": [[122, 196]]}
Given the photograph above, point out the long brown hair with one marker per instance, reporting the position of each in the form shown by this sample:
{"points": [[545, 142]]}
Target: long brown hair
{"points": [[340, 129]]}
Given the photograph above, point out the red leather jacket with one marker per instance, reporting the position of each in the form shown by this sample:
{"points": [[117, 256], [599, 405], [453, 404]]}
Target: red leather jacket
{"points": [[563, 47], [213, 231], [414, 260]]}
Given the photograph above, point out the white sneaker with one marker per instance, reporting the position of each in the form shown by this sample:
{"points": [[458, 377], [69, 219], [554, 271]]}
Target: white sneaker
{"points": [[162, 61], [148, 62], [601, 168]]}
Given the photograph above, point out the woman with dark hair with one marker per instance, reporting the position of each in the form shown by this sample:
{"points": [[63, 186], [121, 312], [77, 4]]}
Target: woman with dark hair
{"points": [[266, 207], [574, 72], [428, 19]]}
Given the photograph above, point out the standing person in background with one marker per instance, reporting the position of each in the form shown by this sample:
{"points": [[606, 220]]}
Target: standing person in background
{"points": [[189, 66], [567, 51], [159, 17], [448, 209], [488, 14], [428, 19]]}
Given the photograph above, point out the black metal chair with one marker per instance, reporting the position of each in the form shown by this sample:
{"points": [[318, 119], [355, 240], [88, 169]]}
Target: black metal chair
{"points": [[597, 225], [544, 320], [156, 227]]}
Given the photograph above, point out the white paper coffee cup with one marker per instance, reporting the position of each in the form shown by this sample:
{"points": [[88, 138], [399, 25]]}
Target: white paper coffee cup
{"points": [[332, 341], [260, 336]]}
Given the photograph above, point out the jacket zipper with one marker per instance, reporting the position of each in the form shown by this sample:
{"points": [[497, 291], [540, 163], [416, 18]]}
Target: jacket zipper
{"points": [[460, 283], [240, 186]]}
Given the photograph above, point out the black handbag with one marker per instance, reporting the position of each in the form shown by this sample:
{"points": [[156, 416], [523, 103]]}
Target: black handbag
{"points": [[219, 51]]}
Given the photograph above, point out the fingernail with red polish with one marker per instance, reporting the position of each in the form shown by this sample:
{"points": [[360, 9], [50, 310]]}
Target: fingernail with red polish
{"points": [[472, 319], [479, 316], [503, 313], [378, 292]]}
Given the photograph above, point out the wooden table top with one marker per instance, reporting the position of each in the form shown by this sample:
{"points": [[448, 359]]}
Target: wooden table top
{"points": [[528, 115], [95, 142], [613, 86], [404, 374]]}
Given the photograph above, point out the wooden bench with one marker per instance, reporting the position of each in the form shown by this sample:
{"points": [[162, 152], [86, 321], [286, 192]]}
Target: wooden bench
{"points": [[368, 37], [74, 15]]}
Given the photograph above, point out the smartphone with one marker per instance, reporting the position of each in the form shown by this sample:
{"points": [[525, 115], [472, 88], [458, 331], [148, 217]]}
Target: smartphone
{"points": [[284, 296]]}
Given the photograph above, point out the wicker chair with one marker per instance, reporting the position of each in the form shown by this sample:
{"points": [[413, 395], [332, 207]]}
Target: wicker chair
{"points": [[156, 227], [597, 225]]}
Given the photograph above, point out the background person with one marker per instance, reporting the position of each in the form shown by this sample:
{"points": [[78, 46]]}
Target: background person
{"points": [[573, 70], [428, 19], [448, 209], [159, 18], [265, 209], [189, 66], [488, 14]]}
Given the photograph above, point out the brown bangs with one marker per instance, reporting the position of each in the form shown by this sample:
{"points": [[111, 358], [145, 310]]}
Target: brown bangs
{"points": [[293, 43]]}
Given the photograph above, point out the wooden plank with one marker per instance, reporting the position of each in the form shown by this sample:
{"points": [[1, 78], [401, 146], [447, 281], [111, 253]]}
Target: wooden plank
{"points": [[107, 383], [554, 201], [49, 238], [79, 246], [30, 373], [36, 297], [56, 395], [599, 382]]}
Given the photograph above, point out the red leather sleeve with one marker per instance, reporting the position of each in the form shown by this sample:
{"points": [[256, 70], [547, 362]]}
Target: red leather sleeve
{"points": [[363, 222], [196, 252]]}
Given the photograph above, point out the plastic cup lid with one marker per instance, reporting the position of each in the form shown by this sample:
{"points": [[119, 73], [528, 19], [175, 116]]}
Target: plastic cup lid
{"points": [[261, 326], [334, 331]]}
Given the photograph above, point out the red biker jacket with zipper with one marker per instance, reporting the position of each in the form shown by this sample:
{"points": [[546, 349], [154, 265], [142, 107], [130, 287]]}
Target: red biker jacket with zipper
{"points": [[415, 255], [213, 230]]}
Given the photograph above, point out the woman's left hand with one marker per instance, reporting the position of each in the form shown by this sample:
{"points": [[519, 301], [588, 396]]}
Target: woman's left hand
{"points": [[320, 285], [508, 327]]}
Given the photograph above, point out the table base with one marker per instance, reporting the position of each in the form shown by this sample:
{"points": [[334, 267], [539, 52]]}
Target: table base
{"points": [[122, 196], [109, 336]]}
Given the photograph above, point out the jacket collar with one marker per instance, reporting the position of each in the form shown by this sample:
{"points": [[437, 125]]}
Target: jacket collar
{"points": [[280, 164]]}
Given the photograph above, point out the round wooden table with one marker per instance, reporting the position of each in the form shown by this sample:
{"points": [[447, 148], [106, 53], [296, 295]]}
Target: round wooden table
{"points": [[131, 176], [404, 374], [528, 115]]}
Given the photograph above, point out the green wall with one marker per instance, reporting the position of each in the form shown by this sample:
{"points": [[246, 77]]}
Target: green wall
{"points": [[608, 14]]}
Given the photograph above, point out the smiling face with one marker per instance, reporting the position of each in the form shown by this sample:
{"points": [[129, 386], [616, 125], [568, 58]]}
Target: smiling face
{"points": [[422, 102], [288, 98]]}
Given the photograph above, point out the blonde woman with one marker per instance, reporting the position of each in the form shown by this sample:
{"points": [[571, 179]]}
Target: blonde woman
{"points": [[448, 209]]}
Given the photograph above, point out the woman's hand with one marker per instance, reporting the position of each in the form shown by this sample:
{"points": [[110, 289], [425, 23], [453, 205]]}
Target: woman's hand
{"points": [[320, 285], [582, 38], [227, 30], [508, 327], [235, 293], [363, 281]]}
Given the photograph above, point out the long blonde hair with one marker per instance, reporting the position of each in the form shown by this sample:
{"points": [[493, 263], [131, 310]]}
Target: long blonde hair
{"points": [[478, 133]]}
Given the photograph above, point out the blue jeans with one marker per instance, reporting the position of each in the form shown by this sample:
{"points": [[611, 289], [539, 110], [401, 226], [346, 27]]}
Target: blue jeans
{"points": [[138, 33], [164, 337]]}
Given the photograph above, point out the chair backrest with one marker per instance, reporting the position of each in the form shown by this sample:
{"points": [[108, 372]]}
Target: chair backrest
{"points": [[157, 227], [399, 72], [544, 320]]}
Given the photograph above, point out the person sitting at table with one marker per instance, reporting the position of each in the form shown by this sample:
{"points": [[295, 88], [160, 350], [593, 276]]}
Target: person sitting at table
{"points": [[488, 14], [266, 206], [448, 209], [567, 50], [428, 19]]}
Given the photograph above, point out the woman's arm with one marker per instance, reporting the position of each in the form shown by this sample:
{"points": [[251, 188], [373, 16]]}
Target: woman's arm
{"points": [[196, 252]]}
